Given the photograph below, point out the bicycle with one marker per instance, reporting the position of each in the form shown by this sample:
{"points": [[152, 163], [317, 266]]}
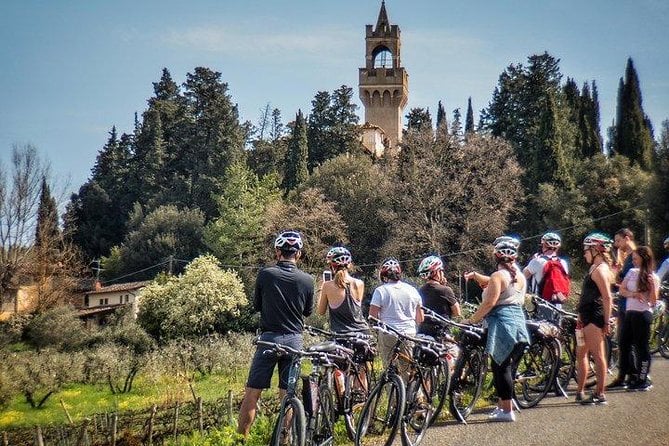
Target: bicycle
{"points": [[659, 329], [536, 372], [358, 375], [470, 370], [415, 415], [307, 422]]}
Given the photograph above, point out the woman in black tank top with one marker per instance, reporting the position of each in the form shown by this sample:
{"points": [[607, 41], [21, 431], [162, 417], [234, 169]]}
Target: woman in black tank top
{"points": [[594, 311], [342, 296]]}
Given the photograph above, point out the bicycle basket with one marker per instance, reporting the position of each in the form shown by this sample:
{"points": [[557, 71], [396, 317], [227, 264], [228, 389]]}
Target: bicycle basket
{"points": [[543, 329]]}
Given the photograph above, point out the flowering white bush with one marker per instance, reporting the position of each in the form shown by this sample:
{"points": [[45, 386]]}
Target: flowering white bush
{"points": [[203, 300]]}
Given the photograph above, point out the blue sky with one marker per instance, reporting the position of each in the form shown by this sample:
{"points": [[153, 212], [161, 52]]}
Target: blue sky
{"points": [[72, 69]]}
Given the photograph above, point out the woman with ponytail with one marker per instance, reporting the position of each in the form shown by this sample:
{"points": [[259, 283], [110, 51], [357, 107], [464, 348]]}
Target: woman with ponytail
{"points": [[342, 295], [502, 309], [594, 312], [641, 289]]}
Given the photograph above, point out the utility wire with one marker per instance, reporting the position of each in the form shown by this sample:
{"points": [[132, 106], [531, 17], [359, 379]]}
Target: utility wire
{"points": [[451, 254]]}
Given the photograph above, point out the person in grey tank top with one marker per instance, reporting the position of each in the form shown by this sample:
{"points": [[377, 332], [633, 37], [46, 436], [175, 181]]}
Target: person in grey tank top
{"points": [[342, 296]]}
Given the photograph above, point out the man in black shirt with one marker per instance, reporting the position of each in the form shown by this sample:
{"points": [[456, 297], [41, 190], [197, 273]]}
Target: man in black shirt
{"points": [[284, 295]]}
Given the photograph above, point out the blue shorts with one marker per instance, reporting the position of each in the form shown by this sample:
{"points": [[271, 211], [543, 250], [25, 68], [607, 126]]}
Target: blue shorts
{"points": [[262, 367]]}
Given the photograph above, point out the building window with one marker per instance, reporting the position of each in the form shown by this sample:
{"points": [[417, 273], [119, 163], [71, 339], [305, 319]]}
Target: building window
{"points": [[106, 301], [102, 301], [127, 298], [384, 59]]}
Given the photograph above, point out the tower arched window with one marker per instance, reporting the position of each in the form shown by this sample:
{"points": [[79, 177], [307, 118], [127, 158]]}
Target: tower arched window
{"points": [[383, 59]]}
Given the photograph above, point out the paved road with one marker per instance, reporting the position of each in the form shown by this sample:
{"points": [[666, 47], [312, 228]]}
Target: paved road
{"points": [[630, 418]]}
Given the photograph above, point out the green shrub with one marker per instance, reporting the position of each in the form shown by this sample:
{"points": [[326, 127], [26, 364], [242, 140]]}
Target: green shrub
{"points": [[202, 301], [59, 328]]}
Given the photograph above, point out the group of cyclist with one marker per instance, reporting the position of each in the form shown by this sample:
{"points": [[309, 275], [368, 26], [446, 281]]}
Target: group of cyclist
{"points": [[284, 296]]}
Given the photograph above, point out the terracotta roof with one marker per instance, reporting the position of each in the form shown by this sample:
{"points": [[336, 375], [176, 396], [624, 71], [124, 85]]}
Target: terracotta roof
{"points": [[119, 287], [100, 309]]}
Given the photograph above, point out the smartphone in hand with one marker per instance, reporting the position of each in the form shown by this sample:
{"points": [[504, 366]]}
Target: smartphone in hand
{"points": [[327, 276]]}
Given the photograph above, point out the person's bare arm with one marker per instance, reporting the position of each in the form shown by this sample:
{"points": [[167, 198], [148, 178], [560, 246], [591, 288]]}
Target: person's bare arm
{"points": [[490, 298], [374, 311], [322, 306], [601, 277]]}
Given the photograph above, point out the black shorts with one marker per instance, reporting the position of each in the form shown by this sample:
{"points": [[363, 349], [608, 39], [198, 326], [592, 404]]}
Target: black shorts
{"points": [[262, 367]]}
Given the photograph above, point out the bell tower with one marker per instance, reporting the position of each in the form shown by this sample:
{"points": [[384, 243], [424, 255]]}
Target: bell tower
{"points": [[383, 82]]}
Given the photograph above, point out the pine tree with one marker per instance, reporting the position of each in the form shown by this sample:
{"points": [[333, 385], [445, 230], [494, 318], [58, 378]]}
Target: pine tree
{"points": [[419, 119], [456, 125], [634, 138], [296, 171], [469, 119], [318, 133]]}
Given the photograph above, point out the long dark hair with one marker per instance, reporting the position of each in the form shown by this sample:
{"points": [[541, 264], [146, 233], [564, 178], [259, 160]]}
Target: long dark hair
{"points": [[646, 268], [508, 264]]}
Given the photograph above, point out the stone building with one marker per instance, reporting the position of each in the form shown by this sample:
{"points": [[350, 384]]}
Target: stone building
{"points": [[383, 85]]}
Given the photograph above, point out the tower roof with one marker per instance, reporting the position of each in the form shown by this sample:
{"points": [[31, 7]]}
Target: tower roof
{"points": [[382, 23]]}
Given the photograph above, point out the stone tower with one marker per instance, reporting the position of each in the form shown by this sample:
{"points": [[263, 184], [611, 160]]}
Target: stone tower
{"points": [[383, 82]]}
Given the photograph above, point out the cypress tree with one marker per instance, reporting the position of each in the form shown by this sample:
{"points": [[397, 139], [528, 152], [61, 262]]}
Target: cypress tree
{"points": [[469, 119], [634, 137], [296, 171], [441, 116], [47, 231]]}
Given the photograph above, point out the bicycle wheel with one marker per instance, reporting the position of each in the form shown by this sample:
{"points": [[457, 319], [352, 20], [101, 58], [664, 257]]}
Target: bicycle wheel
{"points": [[323, 431], [534, 374], [290, 425], [358, 387], [467, 383], [612, 354], [664, 346], [567, 364], [442, 383], [656, 330], [380, 417], [418, 410]]}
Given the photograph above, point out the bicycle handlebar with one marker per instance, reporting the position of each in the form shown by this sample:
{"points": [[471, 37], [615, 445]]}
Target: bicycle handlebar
{"points": [[473, 329], [537, 300], [353, 334], [285, 350], [382, 326]]}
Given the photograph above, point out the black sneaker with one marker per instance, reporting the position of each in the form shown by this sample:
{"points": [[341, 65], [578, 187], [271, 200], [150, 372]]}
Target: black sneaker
{"points": [[600, 399], [618, 383], [643, 386], [582, 400]]}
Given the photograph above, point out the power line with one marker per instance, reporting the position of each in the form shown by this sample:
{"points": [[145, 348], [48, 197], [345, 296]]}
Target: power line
{"points": [[451, 254]]}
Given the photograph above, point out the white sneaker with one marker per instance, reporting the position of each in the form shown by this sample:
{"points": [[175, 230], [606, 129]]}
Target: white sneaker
{"points": [[494, 412], [503, 416]]}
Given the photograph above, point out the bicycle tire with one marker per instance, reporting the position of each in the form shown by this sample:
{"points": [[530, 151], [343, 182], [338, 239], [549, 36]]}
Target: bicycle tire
{"points": [[535, 374], [664, 346], [356, 401], [297, 429], [657, 327], [418, 410], [467, 383], [323, 430], [442, 384], [380, 417]]}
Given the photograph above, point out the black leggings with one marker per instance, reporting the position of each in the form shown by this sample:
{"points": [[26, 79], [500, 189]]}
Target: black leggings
{"points": [[636, 332], [502, 374]]}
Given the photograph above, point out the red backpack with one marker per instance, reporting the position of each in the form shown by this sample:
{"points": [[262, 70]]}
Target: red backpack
{"points": [[555, 285]]}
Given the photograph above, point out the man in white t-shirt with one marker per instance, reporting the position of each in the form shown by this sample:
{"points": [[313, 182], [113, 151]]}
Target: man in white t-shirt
{"points": [[534, 271], [397, 304]]}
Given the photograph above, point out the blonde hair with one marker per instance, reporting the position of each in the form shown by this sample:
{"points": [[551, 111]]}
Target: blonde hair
{"points": [[340, 277]]}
